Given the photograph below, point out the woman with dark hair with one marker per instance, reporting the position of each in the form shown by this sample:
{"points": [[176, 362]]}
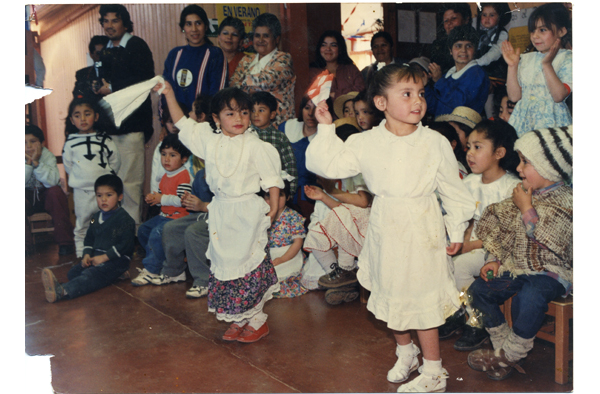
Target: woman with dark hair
{"points": [[198, 67], [382, 45], [332, 55], [268, 70], [230, 36]]}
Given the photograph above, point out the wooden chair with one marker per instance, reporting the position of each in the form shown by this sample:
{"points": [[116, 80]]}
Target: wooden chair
{"points": [[557, 333], [40, 223]]}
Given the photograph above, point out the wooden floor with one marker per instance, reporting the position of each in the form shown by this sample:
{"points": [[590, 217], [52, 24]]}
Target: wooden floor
{"points": [[126, 339]]}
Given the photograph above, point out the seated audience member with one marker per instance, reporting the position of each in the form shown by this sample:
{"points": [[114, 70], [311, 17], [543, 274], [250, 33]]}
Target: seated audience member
{"points": [[269, 69], [382, 45], [332, 55], [263, 114], [43, 192], [529, 243], [108, 246], [465, 84]]}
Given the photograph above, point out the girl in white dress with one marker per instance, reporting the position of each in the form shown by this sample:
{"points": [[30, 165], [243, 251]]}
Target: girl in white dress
{"points": [[238, 165], [404, 261]]}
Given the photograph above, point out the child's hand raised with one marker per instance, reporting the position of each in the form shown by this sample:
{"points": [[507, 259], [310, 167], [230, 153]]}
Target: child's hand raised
{"points": [[522, 198], [322, 113], [511, 57], [551, 54], [314, 192]]}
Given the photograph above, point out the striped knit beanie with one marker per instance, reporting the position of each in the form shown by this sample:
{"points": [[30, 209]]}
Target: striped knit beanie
{"points": [[550, 151]]}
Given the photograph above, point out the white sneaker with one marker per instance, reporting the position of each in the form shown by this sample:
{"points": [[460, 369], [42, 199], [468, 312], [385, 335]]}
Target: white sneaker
{"points": [[406, 364], [196, 292], [164, 279], [145, 277], [426, 384]]}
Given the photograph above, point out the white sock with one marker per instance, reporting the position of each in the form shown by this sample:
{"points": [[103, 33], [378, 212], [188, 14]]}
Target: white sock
{"points": [[432, 367], [325, 259], [258, 320], [405, 349]]}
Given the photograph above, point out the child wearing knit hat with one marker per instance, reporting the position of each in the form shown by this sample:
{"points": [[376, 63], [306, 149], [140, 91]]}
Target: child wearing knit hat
{"points": [[529, 243]]}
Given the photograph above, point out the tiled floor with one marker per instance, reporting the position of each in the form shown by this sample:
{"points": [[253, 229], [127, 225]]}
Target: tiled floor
{"points": [[126, 339]]}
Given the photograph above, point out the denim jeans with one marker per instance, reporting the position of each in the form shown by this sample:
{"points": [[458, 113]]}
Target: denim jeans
{"points": [[533, 293], [85, 280], [150, 237]]}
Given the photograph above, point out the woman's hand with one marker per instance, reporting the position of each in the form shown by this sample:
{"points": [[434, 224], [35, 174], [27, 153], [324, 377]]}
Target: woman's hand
{"points": [[322, 113], [511, 57], [436, 71], [314, 192], [522, 198], [491, 266]]}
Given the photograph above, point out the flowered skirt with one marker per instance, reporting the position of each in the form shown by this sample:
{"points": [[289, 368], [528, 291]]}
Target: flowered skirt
{"points": [[239, 299]]}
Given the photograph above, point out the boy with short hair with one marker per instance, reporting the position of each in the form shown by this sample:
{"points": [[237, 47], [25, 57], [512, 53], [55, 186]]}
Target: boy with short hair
{"points": [[264, 111], [529, 243], [174, 183], [108, 246]]}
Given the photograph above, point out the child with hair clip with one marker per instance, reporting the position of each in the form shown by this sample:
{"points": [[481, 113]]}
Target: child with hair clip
{"points": [[493, 164], [174, 184], [404, 261], [238, 165], [492, 19], [109, 244], [286, 236], [529, 243], [87, 154], [540, 82]]}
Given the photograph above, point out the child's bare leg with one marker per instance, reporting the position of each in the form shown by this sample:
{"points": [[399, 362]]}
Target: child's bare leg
{"points": [[430, 343], [402, 337]]}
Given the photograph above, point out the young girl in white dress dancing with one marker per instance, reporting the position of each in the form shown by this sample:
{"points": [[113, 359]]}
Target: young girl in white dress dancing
{"points": [[404, 261], [238, 165]]}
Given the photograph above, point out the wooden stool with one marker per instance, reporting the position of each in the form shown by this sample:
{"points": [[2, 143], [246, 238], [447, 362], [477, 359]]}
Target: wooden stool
{"points": [[40, 223], [557, 333]]}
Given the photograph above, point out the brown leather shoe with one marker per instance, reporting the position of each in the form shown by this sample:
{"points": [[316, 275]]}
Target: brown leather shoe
{"points": [[250, 335], [233, 332], [495, 364], [338, 277]]}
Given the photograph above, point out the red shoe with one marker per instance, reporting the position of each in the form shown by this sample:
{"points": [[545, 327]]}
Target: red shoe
{"points": [[250, 335], [233, 332]]}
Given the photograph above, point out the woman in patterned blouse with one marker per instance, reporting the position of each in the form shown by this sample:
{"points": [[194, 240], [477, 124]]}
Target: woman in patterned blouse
{"points": [[269, 70]]}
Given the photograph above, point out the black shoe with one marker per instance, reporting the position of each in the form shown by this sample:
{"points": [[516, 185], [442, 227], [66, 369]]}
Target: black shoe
{"points": [[471, 339], [452, 325], [64, 250]]}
